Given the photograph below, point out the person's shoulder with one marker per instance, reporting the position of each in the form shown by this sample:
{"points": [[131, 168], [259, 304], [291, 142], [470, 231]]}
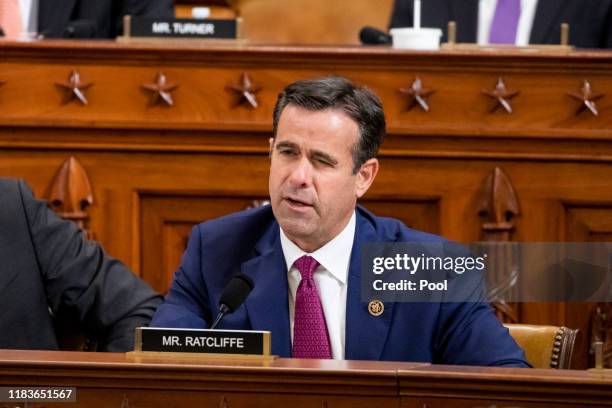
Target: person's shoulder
{"points": [[393, 230], [247, 219], [234, 236], [10, 186], [15, 195], [239, 228]]}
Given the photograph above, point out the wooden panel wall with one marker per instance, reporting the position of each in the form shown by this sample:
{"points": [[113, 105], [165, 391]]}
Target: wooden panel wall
{"points": [[156, 169]]}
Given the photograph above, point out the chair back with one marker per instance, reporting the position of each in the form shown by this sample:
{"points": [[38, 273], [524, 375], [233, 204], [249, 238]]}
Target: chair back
{"points": [[545, 346], [310, 21]]}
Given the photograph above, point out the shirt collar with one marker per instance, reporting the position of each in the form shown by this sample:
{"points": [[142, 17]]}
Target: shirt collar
{"points": [[333, 256]]}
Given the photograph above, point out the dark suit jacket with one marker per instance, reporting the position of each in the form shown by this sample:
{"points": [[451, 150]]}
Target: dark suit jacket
{"points": [[249, 241], [104, 17], [46, 266], [590, 20]]}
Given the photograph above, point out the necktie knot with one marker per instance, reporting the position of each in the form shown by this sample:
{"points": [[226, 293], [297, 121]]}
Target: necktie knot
{"points": [[306, 265]]}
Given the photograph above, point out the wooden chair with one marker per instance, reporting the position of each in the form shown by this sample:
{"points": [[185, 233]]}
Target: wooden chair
{"points": [[310, 21], [545, 346]]}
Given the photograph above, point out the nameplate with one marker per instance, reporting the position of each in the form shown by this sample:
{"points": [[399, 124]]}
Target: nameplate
{"points": [[182, 28], [237, 342]]}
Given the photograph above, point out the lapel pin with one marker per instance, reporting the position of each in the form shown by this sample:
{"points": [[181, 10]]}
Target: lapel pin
{"points": [[376, 308]]}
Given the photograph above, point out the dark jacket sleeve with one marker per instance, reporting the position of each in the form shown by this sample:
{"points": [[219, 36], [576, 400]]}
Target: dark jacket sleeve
{"points": [[95, 18], [143, 8], [84, 285], [607, 35], [469, 332]]}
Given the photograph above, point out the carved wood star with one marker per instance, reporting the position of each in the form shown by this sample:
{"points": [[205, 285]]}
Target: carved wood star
{"points": [[74, 88], [502, 96], [246, 91], [418, 94], [160, 90], [587, 98]]}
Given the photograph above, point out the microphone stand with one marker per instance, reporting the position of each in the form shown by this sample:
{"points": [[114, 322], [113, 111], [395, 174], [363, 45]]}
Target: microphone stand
{"points": [[223, 310]]}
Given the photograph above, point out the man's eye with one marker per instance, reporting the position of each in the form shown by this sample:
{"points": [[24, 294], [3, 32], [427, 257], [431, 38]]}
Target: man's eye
{"points": [[287, 152], [325, 162]]}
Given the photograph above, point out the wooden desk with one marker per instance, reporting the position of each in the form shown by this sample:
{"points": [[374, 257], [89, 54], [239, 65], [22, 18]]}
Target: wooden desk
{"points": [[117, 380], [154, 171]]}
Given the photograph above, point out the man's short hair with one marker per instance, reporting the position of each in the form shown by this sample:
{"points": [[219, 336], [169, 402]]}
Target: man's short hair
{"points": [[334, 92]]}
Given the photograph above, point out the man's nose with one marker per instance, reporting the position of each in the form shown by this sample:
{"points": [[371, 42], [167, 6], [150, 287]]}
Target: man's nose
{"points": [[301, 176]]}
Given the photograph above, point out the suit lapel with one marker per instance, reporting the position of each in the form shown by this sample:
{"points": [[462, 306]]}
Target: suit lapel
{"points": [[546, 19], [465, 14], [54, 14], [267, 305], [365, 334]]}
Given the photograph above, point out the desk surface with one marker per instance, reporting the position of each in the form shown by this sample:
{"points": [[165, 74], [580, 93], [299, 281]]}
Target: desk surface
{"points": [[149, 381]]}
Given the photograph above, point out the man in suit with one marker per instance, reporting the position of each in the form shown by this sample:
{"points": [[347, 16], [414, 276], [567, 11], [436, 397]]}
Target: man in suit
{"points": [[303, 251], [94, 18], [590, 21], [50, 275]]}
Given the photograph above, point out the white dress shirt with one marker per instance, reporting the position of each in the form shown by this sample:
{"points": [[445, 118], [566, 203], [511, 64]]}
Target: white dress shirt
{"points": [[486, 12], [331, 278], [29, 15]]}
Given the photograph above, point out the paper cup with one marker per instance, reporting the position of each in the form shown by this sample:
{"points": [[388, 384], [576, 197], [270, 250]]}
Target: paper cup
{"points": [[416, 38], [200, 12]]}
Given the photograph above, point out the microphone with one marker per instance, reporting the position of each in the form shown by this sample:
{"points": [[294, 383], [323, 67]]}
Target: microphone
{"points": [[374, 36], [80, 29], [233, 295]]}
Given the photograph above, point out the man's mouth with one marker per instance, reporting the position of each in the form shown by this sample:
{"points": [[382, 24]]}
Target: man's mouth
{"points": [[297, 202]]}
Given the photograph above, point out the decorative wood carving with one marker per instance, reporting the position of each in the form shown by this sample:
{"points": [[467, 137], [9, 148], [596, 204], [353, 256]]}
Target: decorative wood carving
{"points": [[74, 88], [587, 98], [246, 91], [161, 90], [498, 206], [71, 194], [601, 330], [501, 95], [418, 95]]}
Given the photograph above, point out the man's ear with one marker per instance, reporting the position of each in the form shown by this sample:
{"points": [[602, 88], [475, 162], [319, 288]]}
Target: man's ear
{"points": [[365, 176], [271, 141]]}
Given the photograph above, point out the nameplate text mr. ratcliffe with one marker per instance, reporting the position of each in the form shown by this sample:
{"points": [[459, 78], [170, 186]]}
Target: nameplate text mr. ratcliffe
{"points": [[202, 341]]}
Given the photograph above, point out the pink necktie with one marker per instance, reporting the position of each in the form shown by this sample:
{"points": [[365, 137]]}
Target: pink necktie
{"points": [[310, 337], [10, 18], [505, 22]]}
